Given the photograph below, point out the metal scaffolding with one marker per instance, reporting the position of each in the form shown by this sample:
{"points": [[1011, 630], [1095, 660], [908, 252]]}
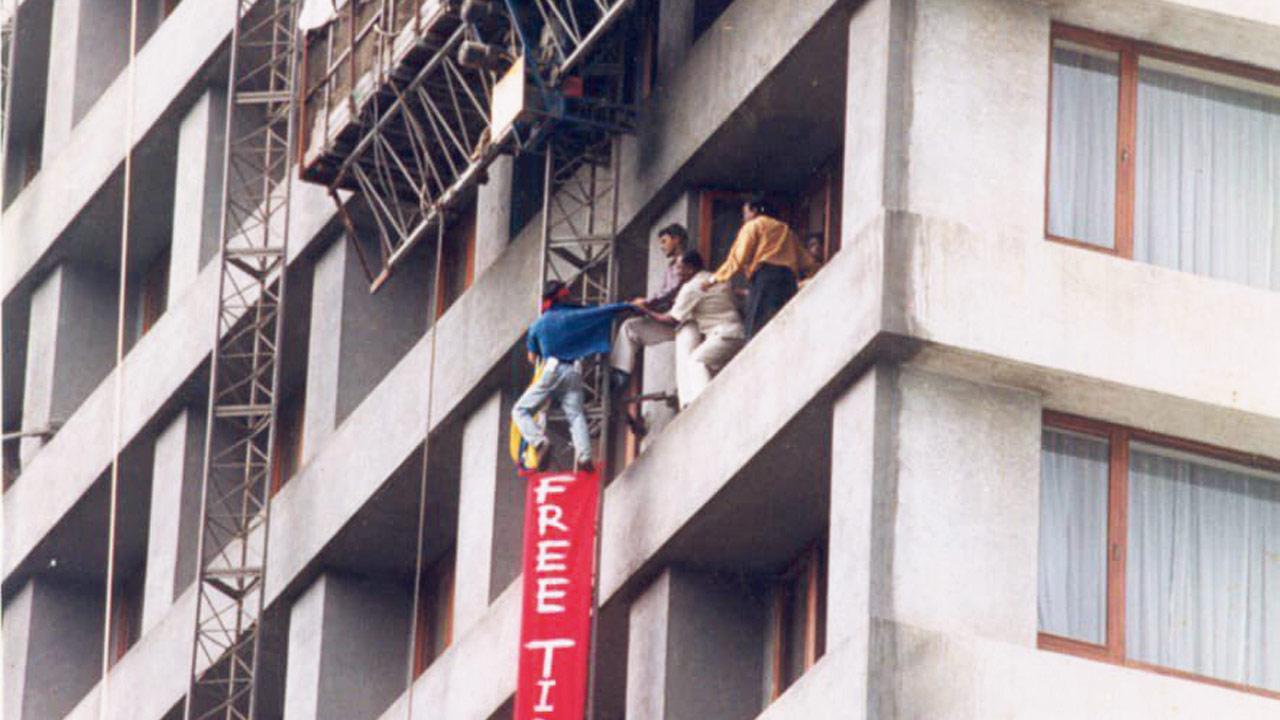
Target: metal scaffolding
{"points": [[245, 373], [420, 140], [424, 142], [579, 240]]}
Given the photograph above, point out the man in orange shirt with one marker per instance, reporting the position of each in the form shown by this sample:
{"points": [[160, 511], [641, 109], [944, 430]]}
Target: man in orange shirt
{"points": [[771, 257]]}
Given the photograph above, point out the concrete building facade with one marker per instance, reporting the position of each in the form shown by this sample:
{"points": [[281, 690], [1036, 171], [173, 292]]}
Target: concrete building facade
{"points": [[1012, 452]]}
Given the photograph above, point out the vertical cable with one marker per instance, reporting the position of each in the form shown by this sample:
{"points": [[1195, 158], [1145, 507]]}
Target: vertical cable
{"points": [[433, 312], [104, 698]]}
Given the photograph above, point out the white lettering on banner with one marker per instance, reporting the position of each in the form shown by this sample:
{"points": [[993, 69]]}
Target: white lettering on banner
{"points": [[544, 696], [549, 484], [545, 593], [550, 516], [548, 648], [549, 561]]}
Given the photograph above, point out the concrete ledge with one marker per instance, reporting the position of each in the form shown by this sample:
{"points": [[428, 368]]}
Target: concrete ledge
{"points": [[170, 61], [676, 476], [967, 677], [153, 371], [159, 662], [1096, 335], [824, 691], [472, 679], [478, 331]]}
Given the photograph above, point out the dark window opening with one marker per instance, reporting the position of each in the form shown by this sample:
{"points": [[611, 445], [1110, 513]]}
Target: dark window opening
{"points": [[287, 453], [797, 619], [434, 619], [458, 263], [126, 614]]}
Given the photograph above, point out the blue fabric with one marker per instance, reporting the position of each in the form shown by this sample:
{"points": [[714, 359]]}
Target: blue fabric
{"points": [[569, 332]]}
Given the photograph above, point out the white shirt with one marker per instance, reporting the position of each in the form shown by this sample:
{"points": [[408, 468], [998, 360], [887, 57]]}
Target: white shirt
{"points": [[712, 310]]}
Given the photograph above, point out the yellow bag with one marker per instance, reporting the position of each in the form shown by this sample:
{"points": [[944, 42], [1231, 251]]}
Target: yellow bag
{"points": [[523, 454]]}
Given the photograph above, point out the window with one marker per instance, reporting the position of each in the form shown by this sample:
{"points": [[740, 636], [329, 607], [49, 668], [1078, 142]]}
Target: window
{"points": [[797, 620], [126, 613], [817, 213], [458, 264], [155, 288], [434, 620], [1159, 553], [287, 453], [1164, 156], [719, 218]]}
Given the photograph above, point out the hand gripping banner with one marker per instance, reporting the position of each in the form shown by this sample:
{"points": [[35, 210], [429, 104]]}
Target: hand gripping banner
{"points": [[555, 622]]}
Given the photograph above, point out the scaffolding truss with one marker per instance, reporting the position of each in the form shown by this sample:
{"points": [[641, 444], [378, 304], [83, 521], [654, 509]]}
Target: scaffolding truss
{"points": [[245, 373], [424, 142], [418, 135], [579, 240]]}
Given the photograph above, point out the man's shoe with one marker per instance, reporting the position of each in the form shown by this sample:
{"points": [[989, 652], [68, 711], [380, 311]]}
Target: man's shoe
{"points": [[587, 467], [619, 380], [636, 423]]}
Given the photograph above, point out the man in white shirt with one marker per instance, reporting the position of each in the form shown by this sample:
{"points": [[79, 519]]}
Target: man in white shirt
{"points": [[709, 329]]}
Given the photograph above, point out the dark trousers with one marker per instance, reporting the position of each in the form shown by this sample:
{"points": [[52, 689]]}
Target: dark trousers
{"points": [[771, 287]]}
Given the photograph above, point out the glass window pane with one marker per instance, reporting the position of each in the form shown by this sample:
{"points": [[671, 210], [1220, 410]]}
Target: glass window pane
{"points": [[1082, 144], [1207, 196], [1073, 536], [1203, 568]]}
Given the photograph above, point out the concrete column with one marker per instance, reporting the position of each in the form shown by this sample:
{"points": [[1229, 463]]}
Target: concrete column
{"points": [[70, 346], [965, 506], [357, 337], [52, 648], [493, 213], [695, 649], [347, 648], [88, 46], [922, 73], [490, 515], [197, 192], [675, 36], [175, 513], [861, 464], [876, 66]]}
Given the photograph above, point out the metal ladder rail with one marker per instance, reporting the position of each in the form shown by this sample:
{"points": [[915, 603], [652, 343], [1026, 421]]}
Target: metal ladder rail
{"points": [[579, 248], [245, 368], [8, 54]]}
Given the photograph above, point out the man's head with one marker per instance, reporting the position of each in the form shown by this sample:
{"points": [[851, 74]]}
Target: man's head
{"points": [[554, 292], [813, 244], [690, 264], [673, 239], [755, 206]]}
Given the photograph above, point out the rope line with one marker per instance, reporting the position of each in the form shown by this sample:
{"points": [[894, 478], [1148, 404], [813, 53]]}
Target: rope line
{"points": [[432, 305], [104, 699]]}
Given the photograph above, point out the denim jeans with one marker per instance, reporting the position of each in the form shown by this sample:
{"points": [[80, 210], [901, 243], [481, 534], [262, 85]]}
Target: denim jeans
{"points": [[562, 382]]}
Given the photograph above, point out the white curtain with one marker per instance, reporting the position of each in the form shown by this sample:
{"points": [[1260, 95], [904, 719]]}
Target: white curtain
{"points": [[1208, 179], [1082, 153], [1203, 568], [1073, 536]]}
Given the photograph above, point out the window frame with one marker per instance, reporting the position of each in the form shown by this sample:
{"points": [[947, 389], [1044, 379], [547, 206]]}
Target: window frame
{"points": [[1129, 52], [807, 569], [1119, 439]]}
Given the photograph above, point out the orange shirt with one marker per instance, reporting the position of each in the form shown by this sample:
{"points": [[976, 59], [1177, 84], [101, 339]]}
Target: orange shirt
{"points": [[764, 240]]}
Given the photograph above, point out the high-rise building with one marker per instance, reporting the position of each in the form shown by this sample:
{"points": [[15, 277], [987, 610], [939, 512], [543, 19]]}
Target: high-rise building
{"points": [[1013, 451]]}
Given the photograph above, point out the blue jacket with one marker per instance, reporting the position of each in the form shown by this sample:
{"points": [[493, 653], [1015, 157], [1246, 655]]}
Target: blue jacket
{"points": [[569, 332]]}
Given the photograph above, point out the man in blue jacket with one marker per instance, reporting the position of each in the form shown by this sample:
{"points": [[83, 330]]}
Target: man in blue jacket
{"points": [[563, 335]]}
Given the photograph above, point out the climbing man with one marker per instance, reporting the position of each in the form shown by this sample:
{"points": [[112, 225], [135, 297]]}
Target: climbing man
{"points": [[560, 339]]}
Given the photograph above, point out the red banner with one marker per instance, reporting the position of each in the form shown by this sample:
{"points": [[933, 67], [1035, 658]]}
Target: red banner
{"points": [[555, 623]]}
